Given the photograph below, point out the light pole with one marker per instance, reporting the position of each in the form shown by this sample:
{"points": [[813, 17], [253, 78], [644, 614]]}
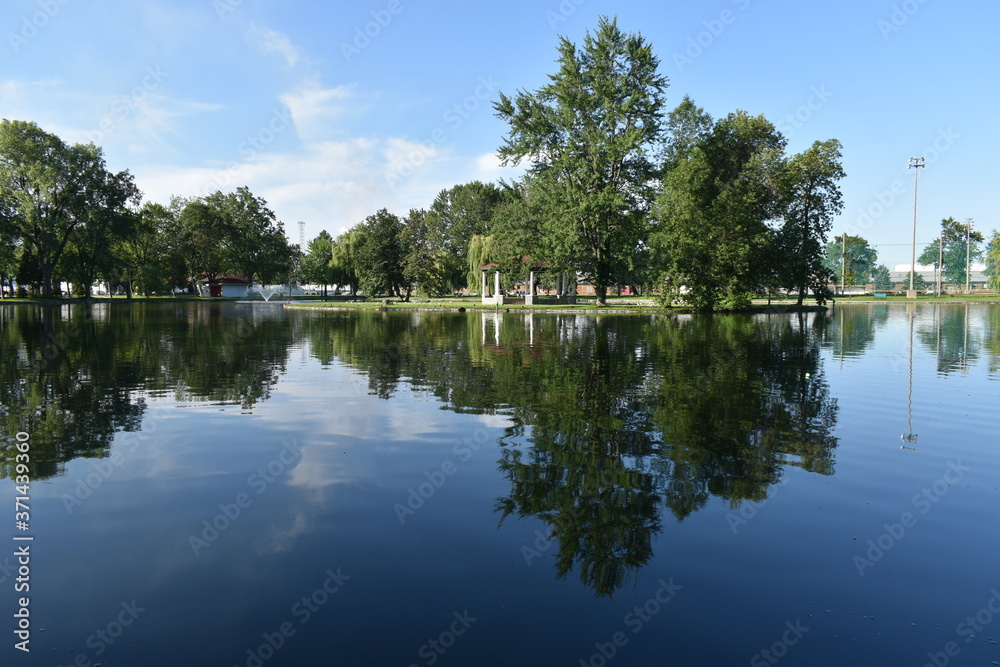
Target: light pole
{"points": [[843, 261], [968, 234], [940, 264], [915, 164]]}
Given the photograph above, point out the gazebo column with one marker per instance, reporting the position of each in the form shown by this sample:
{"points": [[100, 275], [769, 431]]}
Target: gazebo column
{"points": [[482, 286], [496, 287], [529, 294]]}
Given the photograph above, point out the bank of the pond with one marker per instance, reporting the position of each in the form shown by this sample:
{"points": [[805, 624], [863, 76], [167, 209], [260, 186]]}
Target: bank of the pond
{"points": [[628, 308]]}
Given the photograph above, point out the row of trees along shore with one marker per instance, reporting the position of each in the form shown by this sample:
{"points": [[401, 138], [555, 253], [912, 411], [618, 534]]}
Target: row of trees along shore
{"points": [[617, 190], [65, 217]]}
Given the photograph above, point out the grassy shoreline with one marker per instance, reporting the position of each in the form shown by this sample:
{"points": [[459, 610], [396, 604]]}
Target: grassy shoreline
{"points": [[624, 305]]}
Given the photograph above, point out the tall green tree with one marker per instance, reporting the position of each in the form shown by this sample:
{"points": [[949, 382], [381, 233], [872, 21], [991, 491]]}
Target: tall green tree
{"points": [[343, 258], [712, 237], [953, 235], [254, 238], [145, 254], [434, 270], [851, 259], [316, 267], [9, 256], [881, 277], [587, 136], [993, 261], [812, 200], [205, 239], [380, 259], [51, 188], [91, 250]]}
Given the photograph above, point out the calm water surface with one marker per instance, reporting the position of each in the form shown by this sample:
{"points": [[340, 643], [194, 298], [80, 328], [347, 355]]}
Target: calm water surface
{"points": [[236, 484]]}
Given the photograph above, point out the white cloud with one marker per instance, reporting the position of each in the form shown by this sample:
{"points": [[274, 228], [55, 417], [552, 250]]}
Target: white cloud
{"points": [[272, 41], [314, 108]]}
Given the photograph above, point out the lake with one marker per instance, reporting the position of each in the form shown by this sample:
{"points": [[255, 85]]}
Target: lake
{"points": [[246, 485]]}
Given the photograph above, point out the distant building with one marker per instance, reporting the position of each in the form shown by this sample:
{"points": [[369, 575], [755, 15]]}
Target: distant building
{"points": [[225, 286], [900, 273]]}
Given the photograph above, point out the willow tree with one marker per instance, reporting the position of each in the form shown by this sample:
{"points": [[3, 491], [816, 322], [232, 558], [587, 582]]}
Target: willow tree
{"points": [[343, 258], [481, 252], [993, 261], [587, 137]]}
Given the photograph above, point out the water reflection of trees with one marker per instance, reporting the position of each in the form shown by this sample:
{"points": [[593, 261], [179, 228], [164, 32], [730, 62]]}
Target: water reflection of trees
{"points": [[72, 376], [851, 329], [614, 419], [954, 335]]}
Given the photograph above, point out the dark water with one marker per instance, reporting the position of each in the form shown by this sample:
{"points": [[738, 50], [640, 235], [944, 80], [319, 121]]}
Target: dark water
{"points": [[236, 484]]}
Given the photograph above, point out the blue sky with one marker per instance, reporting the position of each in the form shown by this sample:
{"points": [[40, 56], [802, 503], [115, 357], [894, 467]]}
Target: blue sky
{"points": [[331, 111]]}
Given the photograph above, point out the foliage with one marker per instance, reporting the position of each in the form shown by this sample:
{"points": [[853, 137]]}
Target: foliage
{"points": [[993, 261], [315, 266], [482, 251], [253, 240], [587, 137], [50, 189], [427, 265], [851, 259], [881, 277], [953, 234], [343, 258], [712, 238], [812, 199], [381, 255]]}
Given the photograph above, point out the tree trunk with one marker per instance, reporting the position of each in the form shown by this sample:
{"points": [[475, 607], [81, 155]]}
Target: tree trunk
{"points": [[47, 270], [602, 294], [802, 295]]}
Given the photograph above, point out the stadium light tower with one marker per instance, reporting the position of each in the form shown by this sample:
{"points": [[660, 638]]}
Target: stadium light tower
{"points": [[915, 164], [968, 234]]}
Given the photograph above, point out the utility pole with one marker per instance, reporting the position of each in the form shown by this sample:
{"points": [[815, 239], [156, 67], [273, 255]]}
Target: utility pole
{"points": [[940, 267], [968, 234], [915, 164], [843, 262]]}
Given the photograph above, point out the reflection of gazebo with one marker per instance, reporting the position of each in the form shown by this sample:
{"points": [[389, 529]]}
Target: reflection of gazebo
{"points": [[563, 295]]}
